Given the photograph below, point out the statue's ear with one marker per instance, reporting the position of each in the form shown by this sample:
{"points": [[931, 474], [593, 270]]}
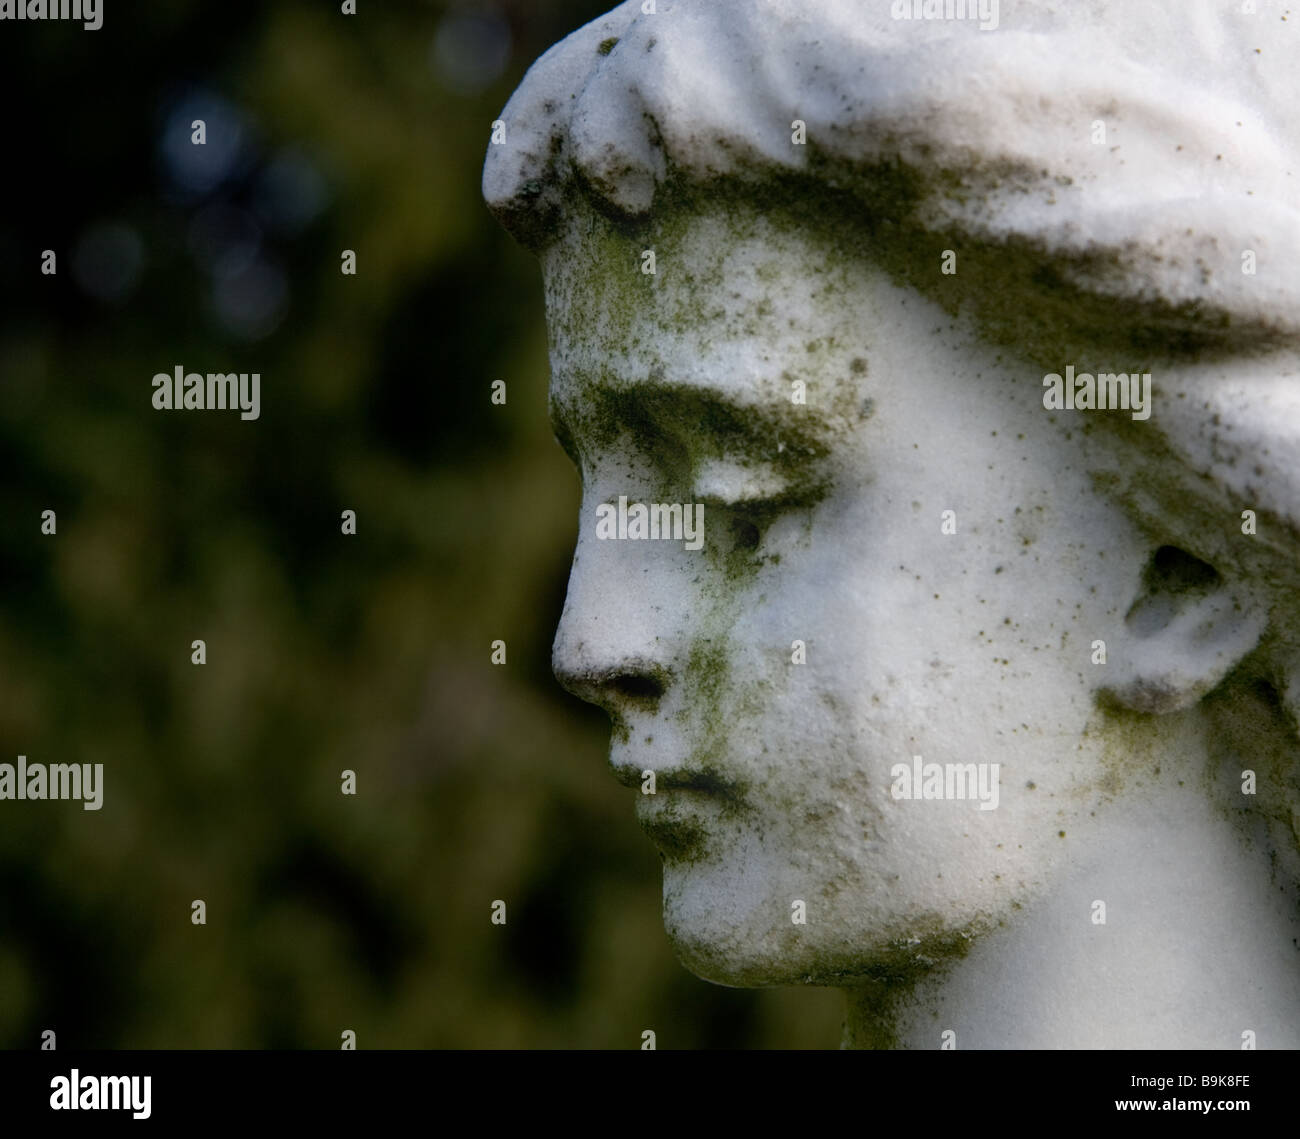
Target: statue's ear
{"points": [[1186, 631]]}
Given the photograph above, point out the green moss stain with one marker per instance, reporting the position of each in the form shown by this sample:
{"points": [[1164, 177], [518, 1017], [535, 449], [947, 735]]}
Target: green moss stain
{"points": [[1251, 729], [880, 989]]}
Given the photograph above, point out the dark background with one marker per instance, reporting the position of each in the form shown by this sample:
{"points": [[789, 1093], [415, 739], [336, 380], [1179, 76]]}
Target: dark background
{"points": [[326, 652]]}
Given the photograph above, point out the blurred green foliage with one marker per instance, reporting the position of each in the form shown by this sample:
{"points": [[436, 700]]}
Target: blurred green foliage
{"points": [[325, 652]]}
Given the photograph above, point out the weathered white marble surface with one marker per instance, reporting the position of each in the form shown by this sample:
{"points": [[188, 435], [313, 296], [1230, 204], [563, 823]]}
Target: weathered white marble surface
{"points": [[842, 341]]}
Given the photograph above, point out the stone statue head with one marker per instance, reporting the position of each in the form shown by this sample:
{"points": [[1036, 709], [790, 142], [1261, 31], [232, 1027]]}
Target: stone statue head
{"points": [[970, 348]]}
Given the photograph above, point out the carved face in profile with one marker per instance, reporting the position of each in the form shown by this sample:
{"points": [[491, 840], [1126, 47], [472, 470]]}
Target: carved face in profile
{"points": [[837, 621], [906, 554]]}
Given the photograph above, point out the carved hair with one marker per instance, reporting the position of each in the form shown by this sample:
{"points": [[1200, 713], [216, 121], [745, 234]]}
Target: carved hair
{"points": [[1070, 128]]}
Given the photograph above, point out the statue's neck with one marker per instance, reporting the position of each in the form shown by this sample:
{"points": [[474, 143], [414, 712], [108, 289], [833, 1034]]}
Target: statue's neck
{"points": [[1198, 947]]}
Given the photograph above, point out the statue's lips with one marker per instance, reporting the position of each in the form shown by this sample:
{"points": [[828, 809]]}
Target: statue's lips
{"points": [[700, 779], [681, 820]]}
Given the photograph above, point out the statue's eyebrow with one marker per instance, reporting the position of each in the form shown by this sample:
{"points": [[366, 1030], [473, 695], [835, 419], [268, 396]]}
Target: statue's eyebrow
{"points": [[675, 414]]}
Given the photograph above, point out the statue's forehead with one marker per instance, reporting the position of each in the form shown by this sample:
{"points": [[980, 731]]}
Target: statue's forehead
{"points": [[727, 293]]}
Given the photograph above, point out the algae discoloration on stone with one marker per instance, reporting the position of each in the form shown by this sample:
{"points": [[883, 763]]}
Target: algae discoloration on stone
{"points": [[880, 991], [1252, 731]]}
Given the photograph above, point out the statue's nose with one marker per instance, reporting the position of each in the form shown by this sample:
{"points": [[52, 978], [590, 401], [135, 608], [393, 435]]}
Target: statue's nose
{"points": [[614, 644]]}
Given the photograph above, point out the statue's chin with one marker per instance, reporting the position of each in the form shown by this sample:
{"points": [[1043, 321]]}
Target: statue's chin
{"points": [[730, 961], [726, 961], [722, 962], [717, 939], [726, 947], [758, 945]]}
